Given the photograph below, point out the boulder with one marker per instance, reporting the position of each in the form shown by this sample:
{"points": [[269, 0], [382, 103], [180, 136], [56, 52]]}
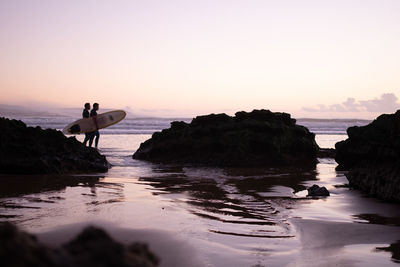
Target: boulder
{"points": [[92, 247], [371, 155], [317, 191], [32, 150], [260, 138]]}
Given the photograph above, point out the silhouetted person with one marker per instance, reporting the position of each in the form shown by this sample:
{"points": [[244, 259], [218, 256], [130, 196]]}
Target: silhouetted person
{"points": [[93, 114], [86, 114]]}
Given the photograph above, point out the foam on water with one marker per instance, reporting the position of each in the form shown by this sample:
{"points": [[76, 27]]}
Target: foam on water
{"points": [[136, 125]]}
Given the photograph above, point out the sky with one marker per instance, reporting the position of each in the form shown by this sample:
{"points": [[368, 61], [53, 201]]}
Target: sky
{"points": [[322, 59]]}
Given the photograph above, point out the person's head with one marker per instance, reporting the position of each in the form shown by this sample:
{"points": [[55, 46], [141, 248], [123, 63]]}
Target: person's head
{"points": [[87, 105], [96, 106]]}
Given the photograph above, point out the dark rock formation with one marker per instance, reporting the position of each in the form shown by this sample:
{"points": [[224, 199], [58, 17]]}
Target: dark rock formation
{"points": [[326, 153], [93, 247], [371, 155], [29, 150], [317, 191], [259, 138]]}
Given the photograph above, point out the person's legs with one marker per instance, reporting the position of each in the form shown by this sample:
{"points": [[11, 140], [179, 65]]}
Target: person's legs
{"points": [[87, 138], [91, 137], [96, 142]]}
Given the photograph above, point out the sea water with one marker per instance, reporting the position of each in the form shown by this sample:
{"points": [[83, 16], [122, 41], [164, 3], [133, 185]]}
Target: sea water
{"points": [[229, 217], [149, 125]]}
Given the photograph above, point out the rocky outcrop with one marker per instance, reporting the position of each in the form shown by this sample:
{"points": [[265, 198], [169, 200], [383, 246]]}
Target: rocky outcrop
{"points": [[371, 155], [318, 191], [260, 138], [93, 247], [29, 150]]}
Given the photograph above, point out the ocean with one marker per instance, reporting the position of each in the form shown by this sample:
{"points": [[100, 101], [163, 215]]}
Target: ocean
{"points": [[325, 129], [202, 216]]}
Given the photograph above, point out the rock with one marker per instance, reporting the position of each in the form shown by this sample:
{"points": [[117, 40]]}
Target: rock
{"points": [[22, 249], [93, 247], [371, 155], [29, 150], [317, 191], [260, 138], [326, 153]]}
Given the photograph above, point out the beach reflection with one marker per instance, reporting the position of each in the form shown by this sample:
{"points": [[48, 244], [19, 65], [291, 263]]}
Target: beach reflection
{"points": [[16, 185], [394, 249], [258, 199], [377, 219], [46, 199]]}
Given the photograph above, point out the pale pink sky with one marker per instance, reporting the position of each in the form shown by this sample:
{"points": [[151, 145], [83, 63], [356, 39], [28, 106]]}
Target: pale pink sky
{"points": [[190, 57]]}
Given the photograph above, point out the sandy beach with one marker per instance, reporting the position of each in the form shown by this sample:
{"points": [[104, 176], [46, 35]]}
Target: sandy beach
{"points": [[171, 250], [198, 216], [321, 244], [343, 244]]}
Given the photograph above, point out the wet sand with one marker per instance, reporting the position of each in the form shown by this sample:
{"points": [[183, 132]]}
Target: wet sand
{"points": [[210, 216], [171, 250], [343, 244], [321, 244]]}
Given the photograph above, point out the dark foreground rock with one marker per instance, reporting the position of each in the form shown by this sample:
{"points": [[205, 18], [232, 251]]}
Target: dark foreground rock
{"points": [[260, 138], [29, 150], [371, 155], [93, 247], [318, 191]]}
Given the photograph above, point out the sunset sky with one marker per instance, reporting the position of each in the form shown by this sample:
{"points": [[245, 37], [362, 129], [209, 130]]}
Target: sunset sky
{"points": [[310, 58]]}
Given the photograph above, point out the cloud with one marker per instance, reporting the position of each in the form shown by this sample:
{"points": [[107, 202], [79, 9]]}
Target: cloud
{"points": [[386, 103], [351, 105]]}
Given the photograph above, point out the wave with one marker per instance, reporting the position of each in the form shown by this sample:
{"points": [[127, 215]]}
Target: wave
{"points": [[331, 126], [151, 125]]}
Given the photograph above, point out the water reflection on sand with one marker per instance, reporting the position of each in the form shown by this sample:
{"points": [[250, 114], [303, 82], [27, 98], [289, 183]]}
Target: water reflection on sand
{"points": [[258, 199], [42, 200], [230, 217]]}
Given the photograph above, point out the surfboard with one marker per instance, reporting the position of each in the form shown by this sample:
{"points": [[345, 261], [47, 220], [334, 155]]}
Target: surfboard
{"points": [[86, 125]]}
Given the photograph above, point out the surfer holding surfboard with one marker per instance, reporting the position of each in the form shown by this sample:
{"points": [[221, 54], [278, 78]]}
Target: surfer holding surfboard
{"points": [[92, 124], [86, 114]]}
